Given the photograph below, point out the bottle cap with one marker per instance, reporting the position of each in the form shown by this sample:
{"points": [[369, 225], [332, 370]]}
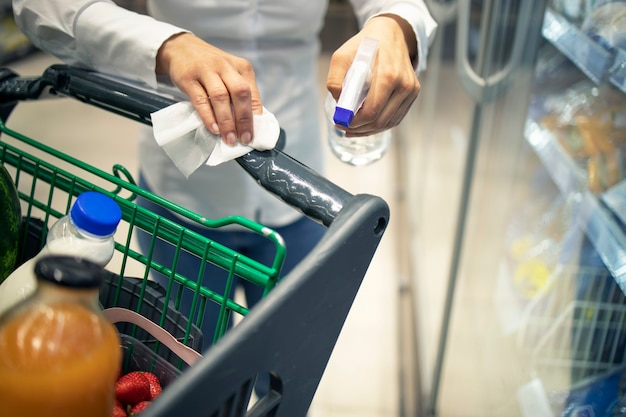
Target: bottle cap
{"points": [[69, 271], [96, 213]]}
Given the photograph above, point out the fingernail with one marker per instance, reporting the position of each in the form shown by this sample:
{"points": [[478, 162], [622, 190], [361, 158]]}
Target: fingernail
{"points": [[245, 138], [231, 139], [215, 128]]}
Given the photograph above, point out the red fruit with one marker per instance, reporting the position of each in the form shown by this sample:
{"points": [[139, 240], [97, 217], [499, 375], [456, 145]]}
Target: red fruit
{"points": [[155, 385], [118, 410], [132, 388], [138, 408]]}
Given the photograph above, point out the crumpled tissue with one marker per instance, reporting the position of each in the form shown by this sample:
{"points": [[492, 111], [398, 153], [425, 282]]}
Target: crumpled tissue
{"points": [[183, 137]]}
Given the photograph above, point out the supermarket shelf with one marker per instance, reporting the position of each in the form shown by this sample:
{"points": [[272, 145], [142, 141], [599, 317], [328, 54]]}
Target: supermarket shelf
{"points": [[589, 56], [617, 72], [591, 214], [595, 60]]}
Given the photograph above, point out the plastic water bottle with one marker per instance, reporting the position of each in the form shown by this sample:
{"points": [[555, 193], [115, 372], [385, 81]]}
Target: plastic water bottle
{"points": [[355, 150], [86, 232]]}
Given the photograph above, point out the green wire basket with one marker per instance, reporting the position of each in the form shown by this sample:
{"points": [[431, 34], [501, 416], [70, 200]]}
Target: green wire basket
{"points": [[47, 192]]}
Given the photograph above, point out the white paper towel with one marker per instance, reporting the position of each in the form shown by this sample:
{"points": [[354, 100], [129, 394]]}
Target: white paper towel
{"points": [[183, 137]]}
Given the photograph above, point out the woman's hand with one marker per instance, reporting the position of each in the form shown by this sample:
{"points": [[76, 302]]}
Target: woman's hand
{"points": [[394, 85], [221, 86]]}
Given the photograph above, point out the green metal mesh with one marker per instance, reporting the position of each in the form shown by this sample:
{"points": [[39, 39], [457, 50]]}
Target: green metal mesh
{"points": [[49, 180]]}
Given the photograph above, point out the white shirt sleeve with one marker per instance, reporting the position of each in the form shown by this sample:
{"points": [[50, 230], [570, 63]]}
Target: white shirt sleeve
{"points": [[414, 12], [95, 34]]}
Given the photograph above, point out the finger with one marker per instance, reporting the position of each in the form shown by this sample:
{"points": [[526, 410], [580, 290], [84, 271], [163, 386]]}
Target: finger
{"points": [[411, 92], [375, 112], [247, 72], [231, 109], [390, 116], [245, 99], [401, 112], [222, 109], [393, 107], [200, 100]]}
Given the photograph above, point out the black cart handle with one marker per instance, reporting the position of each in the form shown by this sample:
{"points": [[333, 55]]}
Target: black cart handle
{"points": [[288, 179]]}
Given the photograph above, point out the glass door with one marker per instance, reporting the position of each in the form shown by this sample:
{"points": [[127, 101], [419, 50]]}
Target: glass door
{"points": [[512, 164], [513, 160]]}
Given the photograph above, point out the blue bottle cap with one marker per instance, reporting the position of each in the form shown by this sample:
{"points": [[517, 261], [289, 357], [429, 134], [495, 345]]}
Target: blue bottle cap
{"points": [[96, 213], [343, 117]]}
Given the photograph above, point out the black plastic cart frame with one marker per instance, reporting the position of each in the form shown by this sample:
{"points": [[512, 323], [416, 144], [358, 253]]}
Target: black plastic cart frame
{"points": [[291, 333]]}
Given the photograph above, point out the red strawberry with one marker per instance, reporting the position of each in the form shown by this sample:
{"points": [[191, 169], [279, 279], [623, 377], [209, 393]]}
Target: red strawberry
{"points": [[155, 385], [118, 410], [132, 388], [138, 408]]}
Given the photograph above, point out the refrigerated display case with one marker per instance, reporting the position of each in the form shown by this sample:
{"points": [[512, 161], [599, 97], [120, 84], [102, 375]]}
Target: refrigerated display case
{"points": [[515, 199]]}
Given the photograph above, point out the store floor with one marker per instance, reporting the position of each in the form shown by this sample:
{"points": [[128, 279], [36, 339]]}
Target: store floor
{"points": [[362, 376]]}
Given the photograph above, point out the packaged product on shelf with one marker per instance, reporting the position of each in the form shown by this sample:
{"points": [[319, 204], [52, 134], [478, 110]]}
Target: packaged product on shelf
{"points": [[576, 340], [535, 255], [602, 396], [577, 11], [606, 23], [589, 121], [573, 10]]}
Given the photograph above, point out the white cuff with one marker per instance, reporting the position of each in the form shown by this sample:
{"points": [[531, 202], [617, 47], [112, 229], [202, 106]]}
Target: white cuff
{"points": [[423, 27]]}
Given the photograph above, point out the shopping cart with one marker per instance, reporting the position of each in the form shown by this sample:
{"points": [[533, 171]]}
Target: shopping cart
{"points": [[289, 335]]}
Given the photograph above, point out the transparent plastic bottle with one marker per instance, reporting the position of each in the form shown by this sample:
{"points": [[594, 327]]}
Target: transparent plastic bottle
{"points": [[87, 231], [60, 355], [355, 150]]}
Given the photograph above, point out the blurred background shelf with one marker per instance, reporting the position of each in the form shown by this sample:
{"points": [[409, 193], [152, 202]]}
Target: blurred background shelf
{"points": [[596, 219], [592, 55]]}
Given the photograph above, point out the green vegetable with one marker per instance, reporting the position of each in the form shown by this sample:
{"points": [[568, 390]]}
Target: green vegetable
{"points": [[10, 221]]}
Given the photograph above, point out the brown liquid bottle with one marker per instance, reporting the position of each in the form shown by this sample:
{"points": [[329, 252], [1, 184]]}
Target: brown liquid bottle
{"points": [[59, 355]]}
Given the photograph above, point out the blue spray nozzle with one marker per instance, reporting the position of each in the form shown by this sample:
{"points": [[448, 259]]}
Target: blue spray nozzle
{"points": [[343, 117]]}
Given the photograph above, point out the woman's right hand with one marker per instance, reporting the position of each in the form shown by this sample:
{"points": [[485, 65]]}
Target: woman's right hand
{"points": [[221, 86]]}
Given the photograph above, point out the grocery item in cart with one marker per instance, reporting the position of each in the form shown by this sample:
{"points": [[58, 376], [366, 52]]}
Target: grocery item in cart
{"points": [[10, 225], [60, 355], [86, 232]]}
